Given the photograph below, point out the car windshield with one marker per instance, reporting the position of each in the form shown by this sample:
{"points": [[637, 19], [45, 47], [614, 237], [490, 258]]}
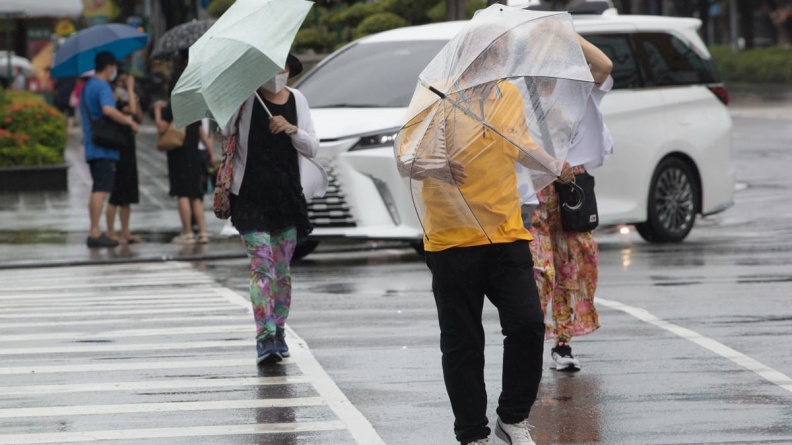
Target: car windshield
{"points": [[370, 75]]}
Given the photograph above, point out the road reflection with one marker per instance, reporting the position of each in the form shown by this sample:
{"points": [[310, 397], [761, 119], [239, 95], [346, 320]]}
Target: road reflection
{"points": [[568, 409]]}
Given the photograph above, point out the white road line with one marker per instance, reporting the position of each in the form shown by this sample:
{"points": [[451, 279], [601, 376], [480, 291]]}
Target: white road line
{"points": [[360, 428], [153, 384], [187, 309], [109, 367], [161, 433], [109, 276], [201, 291], [123, 321], [109, 307], [130, 333], [86, 301], [739, 358], [104, 348], [141, 283], [130, 408]]}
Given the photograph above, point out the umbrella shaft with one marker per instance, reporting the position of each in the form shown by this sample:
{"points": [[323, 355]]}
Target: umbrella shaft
{"points": [[263, 105]]}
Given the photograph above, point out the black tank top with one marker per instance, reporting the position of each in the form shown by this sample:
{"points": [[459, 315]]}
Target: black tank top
{"points": [[270, 197]]}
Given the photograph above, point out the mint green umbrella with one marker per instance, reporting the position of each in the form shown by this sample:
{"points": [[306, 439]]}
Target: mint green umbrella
{"points": [[245, 48]]}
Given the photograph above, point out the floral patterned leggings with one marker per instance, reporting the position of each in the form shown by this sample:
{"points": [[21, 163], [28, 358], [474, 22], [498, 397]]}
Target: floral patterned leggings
{"points": [[270, 277], [565, 268]]}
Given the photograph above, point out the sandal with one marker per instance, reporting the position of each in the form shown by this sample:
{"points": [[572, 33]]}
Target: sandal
{"points": [[203, 238], [183, 238]]}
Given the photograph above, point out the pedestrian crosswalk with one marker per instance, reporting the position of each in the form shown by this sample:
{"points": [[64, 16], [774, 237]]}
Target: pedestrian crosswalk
{"points": [[153, 353]]}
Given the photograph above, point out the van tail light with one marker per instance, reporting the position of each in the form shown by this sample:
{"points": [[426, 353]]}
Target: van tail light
{"points": [[720, 91]]}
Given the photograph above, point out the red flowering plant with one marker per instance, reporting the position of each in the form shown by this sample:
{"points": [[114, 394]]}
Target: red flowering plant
{"points": [[31, 131]]}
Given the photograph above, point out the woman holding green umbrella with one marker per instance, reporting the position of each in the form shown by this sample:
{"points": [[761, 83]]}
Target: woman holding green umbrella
{"points": [[243, 59], [272, 177]]}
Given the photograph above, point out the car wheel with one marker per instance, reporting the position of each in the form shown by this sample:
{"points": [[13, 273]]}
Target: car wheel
{"points": [[673, 203], [304, 249]]}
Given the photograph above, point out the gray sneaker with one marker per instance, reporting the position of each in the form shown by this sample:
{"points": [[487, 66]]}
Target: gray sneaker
{"points": [[514, 433]]}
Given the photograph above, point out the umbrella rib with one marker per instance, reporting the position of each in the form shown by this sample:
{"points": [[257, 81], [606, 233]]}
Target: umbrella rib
{"points": [[496, 131]]}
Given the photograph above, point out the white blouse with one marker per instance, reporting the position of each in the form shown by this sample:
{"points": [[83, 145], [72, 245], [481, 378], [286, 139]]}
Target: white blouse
{"points": [[312, 176]]}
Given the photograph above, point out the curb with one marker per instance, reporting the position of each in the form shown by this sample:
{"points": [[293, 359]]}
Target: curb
{"points": [[186, 259]]}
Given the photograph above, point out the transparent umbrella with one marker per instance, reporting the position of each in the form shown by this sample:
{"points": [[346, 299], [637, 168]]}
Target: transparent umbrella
{"points": [[492, 118]]}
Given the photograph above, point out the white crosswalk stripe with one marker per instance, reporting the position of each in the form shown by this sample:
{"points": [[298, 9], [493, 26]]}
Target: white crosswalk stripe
{"points": [[82, 345]]}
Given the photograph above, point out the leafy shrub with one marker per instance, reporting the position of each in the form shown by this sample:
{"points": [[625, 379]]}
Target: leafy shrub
{"points": [[218, 7], [438, 12], [415, 12], [378, 23], [313, 39], [766, 65], [27, 156], [352, 16], [31, 131]]}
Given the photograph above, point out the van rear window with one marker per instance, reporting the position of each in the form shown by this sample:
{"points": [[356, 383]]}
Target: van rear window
{"points": [[667, 60]]}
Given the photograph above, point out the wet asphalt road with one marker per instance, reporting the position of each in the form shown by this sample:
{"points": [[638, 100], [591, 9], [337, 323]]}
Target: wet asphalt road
{"points": [[370, 321], [693, 349]]}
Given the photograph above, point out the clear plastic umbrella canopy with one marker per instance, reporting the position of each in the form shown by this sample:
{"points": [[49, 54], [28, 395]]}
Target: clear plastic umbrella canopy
{"points": [[492, 118]]}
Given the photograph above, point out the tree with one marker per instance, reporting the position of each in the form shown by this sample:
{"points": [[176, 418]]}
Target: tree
{"points": [[746, 9], [625, 6]]}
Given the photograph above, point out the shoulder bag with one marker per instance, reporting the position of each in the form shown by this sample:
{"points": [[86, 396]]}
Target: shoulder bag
{"points": [[172, 139], [585, 218], [105, 132], [225, 173]]}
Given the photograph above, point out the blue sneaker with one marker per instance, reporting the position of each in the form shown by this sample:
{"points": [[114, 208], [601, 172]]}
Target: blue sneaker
{"points": [[268, 351], [280, 342]]}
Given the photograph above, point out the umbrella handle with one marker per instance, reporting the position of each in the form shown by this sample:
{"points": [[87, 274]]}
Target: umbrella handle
{"points": [[440, 94], [582, 197]]}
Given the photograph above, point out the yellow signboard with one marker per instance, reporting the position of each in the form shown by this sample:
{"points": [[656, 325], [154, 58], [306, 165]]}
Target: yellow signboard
{"points": [[65, 28], [98, 8]]}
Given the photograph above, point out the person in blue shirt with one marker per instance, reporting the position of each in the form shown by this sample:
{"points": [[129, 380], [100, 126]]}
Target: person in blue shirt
{"points": [[97, 101]]}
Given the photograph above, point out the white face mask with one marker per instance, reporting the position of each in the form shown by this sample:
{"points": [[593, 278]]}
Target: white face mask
{"points": [[114, 75], [277, 83]]}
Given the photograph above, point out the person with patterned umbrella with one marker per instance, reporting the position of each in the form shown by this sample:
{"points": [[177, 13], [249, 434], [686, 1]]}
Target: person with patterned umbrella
{"points": [[180, 38]]}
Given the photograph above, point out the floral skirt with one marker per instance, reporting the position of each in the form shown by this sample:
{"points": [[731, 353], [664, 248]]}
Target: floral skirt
{"points": [[565, 268]]}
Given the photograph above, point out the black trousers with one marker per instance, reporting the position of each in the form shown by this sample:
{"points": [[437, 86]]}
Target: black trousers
{"points": [[461, 277]]}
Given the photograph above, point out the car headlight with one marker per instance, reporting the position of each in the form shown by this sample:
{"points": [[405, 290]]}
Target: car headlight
{"points": [[376, 140]]}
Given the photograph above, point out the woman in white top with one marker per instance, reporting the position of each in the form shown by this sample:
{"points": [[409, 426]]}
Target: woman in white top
{"points": [[565, 263], [274, 174]]}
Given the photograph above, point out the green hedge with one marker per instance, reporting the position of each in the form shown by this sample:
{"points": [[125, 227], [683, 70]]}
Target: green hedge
{"points": [[382, 21], [766, 65], [31, 131]]}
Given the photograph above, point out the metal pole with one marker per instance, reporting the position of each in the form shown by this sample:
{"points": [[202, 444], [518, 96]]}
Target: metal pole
{"points": [[8, 47], [733, 24], [455, 10]]}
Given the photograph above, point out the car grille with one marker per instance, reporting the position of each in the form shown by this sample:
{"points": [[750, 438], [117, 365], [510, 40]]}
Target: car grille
{"points": [[331, 210]]}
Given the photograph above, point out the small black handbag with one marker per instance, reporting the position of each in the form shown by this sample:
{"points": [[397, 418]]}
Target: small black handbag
{"points": [[107, 133], [585, 218]]}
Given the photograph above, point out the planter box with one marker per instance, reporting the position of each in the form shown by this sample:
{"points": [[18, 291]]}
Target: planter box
{"points": [[34, 178]]}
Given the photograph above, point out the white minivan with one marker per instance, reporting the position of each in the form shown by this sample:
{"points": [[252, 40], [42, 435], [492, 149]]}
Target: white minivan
{"points": [[667, 115]]}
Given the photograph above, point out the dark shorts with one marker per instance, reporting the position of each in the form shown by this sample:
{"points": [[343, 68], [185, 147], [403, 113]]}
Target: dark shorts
{"points": [[103, 175]]}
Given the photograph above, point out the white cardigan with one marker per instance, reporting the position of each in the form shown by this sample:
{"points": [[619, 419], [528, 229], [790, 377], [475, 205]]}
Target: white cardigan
{"points": [[313, 178]]}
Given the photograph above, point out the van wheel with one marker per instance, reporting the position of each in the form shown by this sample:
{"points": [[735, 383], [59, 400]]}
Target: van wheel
{"points": [[304, 249], [673, 203]]}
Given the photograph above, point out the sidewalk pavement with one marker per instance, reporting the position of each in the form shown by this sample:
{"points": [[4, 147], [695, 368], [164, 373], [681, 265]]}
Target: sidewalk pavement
{"points": [[38, 227]]}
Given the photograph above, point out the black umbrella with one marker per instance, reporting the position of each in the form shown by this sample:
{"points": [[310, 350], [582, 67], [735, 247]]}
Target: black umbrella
{"points": [[180, 38]]}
